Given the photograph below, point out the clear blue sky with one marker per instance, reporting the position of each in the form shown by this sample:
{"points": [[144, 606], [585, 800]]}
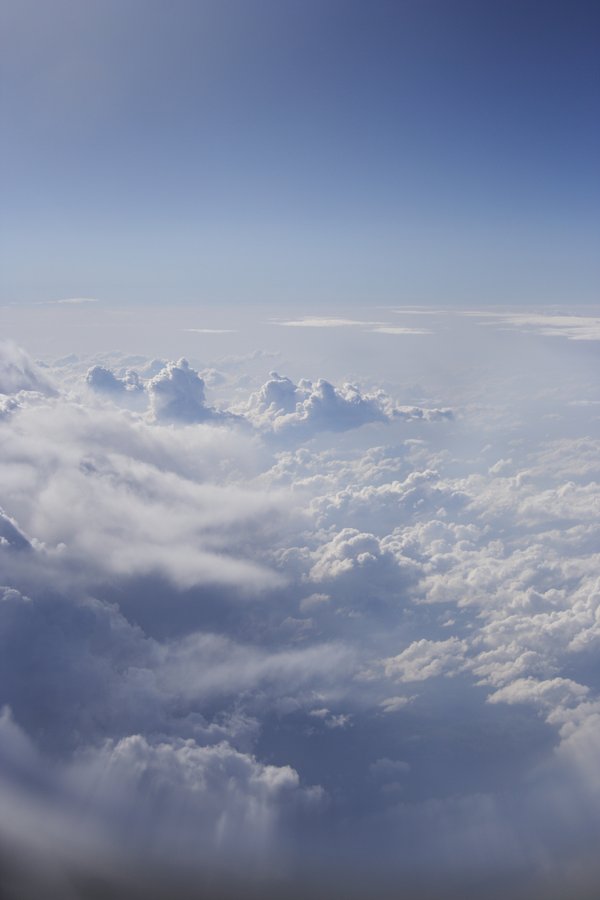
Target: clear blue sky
{"points": [[300, 151]]}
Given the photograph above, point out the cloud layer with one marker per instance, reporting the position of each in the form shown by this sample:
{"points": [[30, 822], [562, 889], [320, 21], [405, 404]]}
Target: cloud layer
{"points": [[254, 626]]}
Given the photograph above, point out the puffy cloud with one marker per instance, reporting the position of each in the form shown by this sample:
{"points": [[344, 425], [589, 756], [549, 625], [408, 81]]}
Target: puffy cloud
{"points": [[386, 506], [312, 407], [177, 395], [545, 694], [347, 552], [307, 408], [103, 380]]}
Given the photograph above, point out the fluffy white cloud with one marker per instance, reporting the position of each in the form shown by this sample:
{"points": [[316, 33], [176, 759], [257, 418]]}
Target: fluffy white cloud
{"points": [[310, 407], [177, 395], [101, 379]]}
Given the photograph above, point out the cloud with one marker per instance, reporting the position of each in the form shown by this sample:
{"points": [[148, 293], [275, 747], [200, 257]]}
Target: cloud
{"points": [[397, 329], [307, 408], [290, 642], [573, 327], [177, 394], [394, 704], [361, 562], [19, 373], [322, 322], [426, 659], [207, 801], [10, 534], [546, 694], [103, 380], [193, 805], [385, 769], [102, 491]]}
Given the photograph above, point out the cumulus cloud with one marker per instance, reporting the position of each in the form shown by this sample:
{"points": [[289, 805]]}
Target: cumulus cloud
{"points": [[99, 378], [177, 394], [307, 408]]}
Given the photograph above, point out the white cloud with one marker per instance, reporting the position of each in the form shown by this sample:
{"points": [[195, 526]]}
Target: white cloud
{"points": [[545, 694], [395, 704], [177, 394], [307, 408], [103, 491], [398, 329], [190, 802], [19, 373], [101, 379], [427, 659], [322, 322], [552, 324]]}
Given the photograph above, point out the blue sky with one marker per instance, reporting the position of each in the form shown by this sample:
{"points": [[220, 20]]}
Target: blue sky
{"points": [[300, 153]]}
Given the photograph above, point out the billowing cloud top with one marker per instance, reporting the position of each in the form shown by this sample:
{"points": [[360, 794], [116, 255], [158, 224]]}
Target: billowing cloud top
{"points": [[307, 408], [177, 394]]}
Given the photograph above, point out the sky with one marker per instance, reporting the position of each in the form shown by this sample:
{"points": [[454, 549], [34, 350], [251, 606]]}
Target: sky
{"points": [[300, 450], [300, 152]]}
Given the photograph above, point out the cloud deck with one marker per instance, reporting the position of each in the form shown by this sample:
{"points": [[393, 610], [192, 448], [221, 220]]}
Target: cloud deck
{"points": [[256, 625]]}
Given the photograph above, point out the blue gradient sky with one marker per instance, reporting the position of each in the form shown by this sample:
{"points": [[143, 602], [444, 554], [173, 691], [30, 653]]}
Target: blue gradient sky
{"points": [[300, 153]]}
